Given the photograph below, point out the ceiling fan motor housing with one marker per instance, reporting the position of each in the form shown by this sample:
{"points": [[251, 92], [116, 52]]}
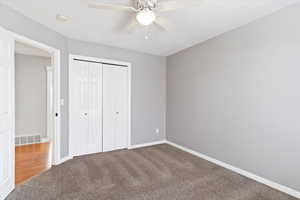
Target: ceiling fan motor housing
{"points": [[146, 4]]}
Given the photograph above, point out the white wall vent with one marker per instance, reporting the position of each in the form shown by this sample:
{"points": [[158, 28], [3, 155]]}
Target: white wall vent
{"points": [[27, 139]]}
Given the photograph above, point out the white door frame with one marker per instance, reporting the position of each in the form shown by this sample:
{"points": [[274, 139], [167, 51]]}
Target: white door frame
{"points": [[56, 158], [8, 184], [106, 61], [50, 103]]}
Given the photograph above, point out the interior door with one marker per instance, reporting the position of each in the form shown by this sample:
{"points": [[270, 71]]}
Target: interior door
{"points": [[7, 146], [115, 107], [86, 107]]}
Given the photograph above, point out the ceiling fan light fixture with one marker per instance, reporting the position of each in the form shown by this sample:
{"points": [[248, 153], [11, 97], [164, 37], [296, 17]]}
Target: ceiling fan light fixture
{"points": [[145, 17]]}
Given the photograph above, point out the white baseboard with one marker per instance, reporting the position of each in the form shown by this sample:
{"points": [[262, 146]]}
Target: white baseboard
{"points": [[63, 160], [250, 175], [147, 144]]}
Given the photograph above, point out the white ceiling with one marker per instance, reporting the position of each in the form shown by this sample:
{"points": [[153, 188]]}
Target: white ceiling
{"points": [[191, 25], [24, 49]]}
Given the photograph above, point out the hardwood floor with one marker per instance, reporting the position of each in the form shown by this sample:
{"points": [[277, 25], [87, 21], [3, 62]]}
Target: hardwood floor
{"points": [[32, 160]]}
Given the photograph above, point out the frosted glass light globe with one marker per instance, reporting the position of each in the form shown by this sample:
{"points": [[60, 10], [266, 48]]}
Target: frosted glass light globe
{"points": [[145, 17]]}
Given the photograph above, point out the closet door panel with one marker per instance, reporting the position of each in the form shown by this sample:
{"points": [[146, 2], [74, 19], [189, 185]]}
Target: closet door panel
{"points": [[94, 136], [86, 108], [79, 107], [115, 105], [121, 107], [109, 110]]}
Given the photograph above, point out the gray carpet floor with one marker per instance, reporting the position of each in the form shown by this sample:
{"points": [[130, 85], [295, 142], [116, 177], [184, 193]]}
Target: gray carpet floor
{"points": [[160, 172]]}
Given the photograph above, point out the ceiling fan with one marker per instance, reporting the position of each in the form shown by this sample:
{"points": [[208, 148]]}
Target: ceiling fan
{"points": [[146, 11]]}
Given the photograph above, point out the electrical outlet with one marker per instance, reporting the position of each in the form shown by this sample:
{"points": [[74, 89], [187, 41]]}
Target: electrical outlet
{"points": [[157, 130]]}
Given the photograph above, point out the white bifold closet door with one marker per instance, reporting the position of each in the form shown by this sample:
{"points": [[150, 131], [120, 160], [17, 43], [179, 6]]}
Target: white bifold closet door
{"points": [[99, 107], [115, 107], [86, 108]]}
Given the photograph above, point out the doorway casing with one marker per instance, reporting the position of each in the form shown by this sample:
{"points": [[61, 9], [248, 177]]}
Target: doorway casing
{"points": [[55, 63]]}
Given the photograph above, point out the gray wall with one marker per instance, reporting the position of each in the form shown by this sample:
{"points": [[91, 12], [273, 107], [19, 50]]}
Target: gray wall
{"points": [[148, 88], [236, 97], [148, 84], [31, 94]]}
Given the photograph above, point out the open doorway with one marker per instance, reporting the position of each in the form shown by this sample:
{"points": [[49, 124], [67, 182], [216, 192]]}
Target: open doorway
{"points": [[8, 41], [33, 111]]}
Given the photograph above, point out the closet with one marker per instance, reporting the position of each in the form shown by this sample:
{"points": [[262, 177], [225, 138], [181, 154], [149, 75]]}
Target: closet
{"points": [[99, 107]]}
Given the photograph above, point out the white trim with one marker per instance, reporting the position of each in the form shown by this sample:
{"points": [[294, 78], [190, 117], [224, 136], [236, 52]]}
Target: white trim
{"points": [[56, 65], [250, 175], [129, 106], [69, 105], [57, 120], [50, 101], [34, 43], [64, 160], [110, 61], [147, 144], [10, 181]]}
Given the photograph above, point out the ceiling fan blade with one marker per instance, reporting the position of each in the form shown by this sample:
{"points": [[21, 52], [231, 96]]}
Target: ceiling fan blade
{"points": [[163, 24], [170, 5], [116, 7]]}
